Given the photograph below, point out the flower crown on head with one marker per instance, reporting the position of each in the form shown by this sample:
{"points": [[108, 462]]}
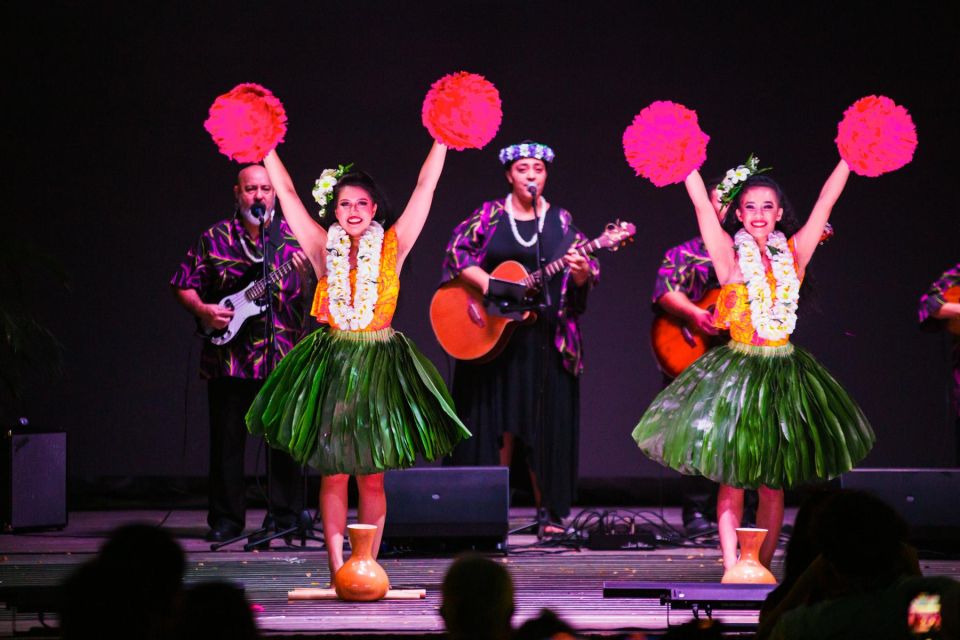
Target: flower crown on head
{"points": [[323, 187], [526, 150], [733, 182]]}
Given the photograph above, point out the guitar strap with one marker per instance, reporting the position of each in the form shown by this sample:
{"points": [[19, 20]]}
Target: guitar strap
{"points": [[564, 245]]}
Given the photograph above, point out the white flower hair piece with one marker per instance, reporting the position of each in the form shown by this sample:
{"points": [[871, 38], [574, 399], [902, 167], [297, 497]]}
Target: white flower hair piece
{"points": [[733, 182], [526, 150], [323, 187]]}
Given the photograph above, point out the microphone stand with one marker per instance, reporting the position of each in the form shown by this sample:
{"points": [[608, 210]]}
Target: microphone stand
{"points": [[303, 527], [267, 531], [541, 303]]}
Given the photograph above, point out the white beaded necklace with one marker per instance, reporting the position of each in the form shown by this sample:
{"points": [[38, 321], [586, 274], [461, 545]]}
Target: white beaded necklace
{"points": [[508, 206]]}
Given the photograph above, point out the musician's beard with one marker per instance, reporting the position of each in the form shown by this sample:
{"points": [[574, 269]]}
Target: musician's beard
{"points": [[252, 219]]}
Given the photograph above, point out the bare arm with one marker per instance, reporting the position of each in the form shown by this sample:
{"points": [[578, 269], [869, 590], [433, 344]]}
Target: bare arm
{"points": [[414, 216], [677, 304], [311, 236], [718, 242], [948, 311], [211, 316], [476, 277], [805, 240]]}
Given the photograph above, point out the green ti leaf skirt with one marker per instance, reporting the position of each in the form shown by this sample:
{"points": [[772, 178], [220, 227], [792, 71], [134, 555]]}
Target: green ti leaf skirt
{"points": [[748, 416], [357, 403]]}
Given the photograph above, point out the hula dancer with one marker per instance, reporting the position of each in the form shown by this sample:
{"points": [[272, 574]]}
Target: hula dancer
{"points": [[355, 397], [759, 412]]}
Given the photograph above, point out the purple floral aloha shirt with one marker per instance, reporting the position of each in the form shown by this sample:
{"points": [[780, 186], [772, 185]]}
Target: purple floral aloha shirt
{"points": [[685, 268], [468, 247], [930, 302], [214, 267]]}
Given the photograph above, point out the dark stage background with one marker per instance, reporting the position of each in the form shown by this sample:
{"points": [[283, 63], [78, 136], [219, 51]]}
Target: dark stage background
{"points": [[113, 173]]}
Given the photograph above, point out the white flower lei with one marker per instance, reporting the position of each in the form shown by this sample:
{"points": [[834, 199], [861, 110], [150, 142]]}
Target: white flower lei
{"points": [[776, 318], [360, 314]]}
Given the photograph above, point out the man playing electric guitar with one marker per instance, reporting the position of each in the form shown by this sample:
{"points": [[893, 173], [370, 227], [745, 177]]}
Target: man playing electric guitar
{"points": [[213, 268]]}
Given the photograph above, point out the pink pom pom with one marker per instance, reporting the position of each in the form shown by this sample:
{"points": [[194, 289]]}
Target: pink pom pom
{"points": [[462, 111], [247, 122], [665, 143], [875, 136]]}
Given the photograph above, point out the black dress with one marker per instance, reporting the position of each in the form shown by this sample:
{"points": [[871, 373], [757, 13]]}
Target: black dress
{"points": [[525, 390]]}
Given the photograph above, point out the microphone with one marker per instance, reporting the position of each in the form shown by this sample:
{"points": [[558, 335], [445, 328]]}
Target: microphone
{"points": [[532, 190], [258, 210]]}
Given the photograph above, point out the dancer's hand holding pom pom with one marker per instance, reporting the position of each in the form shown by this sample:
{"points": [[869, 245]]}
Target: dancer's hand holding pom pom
{"points": [[876, 136], [462, 111], [247, 122], [665, 143]]}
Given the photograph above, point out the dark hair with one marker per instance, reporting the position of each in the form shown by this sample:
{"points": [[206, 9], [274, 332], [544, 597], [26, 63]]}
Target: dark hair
{"points": [[477, 596], [862, 537], [366, 182], [788, 223]]}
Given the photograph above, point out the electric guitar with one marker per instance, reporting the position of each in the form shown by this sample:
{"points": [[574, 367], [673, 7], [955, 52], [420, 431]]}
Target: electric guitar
{"points": [[246, 303], [467, 330]]}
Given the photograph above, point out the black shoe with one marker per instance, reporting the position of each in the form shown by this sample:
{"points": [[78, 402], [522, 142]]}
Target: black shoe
{"points": [[221, 534], [697, 525]]}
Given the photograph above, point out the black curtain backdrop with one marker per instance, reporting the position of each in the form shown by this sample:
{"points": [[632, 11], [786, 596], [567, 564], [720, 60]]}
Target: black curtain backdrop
{"points": [[110, 170]]}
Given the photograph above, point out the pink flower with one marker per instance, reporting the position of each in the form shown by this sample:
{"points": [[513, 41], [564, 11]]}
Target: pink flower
{"points": [[462, 110], [247, 122], [665, 143], [875, 136]]}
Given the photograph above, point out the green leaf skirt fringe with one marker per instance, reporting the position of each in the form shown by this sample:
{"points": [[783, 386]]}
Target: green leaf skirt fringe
{"points": [[748, 416], [357, 403]]}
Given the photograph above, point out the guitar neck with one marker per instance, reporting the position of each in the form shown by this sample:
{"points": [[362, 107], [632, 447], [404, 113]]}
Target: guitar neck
{"points": [[557, 265], [260, 286]]}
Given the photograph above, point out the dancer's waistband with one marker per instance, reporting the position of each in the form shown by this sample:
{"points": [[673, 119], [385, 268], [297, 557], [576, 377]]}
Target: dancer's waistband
{"points": [[760, 350], [380, 335]]}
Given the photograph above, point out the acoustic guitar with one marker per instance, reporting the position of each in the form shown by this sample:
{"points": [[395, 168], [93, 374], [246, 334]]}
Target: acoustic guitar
{"points": [[469, 329], [676, 344], [953, 295]]}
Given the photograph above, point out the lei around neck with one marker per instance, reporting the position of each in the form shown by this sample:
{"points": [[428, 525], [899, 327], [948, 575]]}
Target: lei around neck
{"points": [[772, 313], [356, 316]]}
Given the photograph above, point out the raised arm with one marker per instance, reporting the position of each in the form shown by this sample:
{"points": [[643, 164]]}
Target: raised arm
{"points": [[411, 221], [718, 242], [311, 236], [805, 240]]}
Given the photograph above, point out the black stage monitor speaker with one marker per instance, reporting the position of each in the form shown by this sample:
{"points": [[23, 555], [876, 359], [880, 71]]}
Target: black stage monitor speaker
{"points": [[448, 508], [926, 498], [33, 479]]}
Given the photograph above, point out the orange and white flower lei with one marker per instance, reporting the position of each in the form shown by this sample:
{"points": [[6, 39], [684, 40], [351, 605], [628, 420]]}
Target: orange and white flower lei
{"points": [[358, 315], [773, 314]]}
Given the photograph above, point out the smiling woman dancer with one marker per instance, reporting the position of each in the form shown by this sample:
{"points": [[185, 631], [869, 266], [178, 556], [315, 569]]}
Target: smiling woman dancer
{"points": [[757, 413], [355, 397]]}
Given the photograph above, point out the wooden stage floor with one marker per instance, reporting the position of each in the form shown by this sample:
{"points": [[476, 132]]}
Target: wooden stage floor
{"points": [[569, 581]]}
